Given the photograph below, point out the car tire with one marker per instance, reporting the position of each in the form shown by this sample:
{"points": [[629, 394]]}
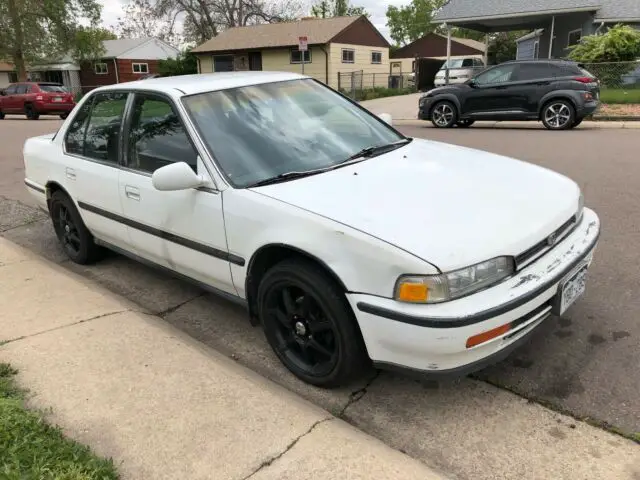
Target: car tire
{"points": [[558, 115], [444, 114], [465, 123], [577, 122], [76, 240], [64, 116], [1, 115], [310, 326], [31, 113]]}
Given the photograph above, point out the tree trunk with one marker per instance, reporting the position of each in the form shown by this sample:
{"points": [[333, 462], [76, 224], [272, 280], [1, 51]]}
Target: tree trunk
{"points": [[18, 54]]}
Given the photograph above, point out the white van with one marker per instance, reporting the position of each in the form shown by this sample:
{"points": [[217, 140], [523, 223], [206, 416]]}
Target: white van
{"points": [[460, 70]]}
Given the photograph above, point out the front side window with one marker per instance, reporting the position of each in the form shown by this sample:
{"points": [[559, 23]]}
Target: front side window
{"points": [[157, 136], [103, 128], [22, 88], [499, 74], [140, 67], [348, 55], [376, 57], [296, 56], [258, 132], [100, 68]]}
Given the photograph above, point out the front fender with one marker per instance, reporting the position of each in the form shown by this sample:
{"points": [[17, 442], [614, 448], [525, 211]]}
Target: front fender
{"points": [[362, 263]]}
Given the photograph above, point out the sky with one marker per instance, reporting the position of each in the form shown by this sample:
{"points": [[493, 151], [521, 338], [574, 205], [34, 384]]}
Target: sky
{"points": [[112, 9]]}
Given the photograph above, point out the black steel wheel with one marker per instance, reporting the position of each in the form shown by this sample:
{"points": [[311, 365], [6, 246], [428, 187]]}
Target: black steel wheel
{"points": [[76, 240], [310, 326], [444, 114], [465, 123]]}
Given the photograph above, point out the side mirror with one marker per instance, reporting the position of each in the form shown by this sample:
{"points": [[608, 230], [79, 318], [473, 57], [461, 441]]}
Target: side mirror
{"points": [[472, 82], [176, 176], [385, 117]]}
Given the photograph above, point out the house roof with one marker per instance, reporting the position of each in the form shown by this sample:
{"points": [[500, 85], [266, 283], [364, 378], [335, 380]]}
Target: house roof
{"points": [[534, 34], [435, 45], [115, 48], [486, 9], [318, 31]]}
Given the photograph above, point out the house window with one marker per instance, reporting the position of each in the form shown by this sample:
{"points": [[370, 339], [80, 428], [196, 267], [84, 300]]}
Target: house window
{"points": [[296, 56], [536, 49], [100, 68], [574, 37], [348, 55], [376, 57], [140, 67]]}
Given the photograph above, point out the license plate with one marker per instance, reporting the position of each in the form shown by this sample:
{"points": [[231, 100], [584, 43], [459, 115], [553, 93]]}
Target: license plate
{"points": [[57, 99], [572, 288]]}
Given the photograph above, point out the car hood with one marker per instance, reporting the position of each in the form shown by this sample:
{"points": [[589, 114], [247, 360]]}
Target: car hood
{"points": [[450, 206]]}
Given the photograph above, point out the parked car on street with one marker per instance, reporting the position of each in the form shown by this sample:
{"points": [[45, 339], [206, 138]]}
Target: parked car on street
{"points": [[460, 70], [557, 92], [350, 243], [36, 98]]}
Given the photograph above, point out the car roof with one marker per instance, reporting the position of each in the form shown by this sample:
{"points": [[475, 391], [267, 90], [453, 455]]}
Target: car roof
{"points": [[204, 82], [544, 60]]}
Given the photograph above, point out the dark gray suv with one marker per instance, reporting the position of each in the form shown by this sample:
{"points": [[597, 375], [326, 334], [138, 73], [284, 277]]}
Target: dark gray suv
{"points": [[559, 93]]}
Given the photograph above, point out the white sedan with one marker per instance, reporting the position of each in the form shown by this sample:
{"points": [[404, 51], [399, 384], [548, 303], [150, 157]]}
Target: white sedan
{"points": [[350, 243]]}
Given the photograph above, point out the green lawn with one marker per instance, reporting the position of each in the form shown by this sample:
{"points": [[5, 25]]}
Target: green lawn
{"points": [[620, 95], [30, 449]]}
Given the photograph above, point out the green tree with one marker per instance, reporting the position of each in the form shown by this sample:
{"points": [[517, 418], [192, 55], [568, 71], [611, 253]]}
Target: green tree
{"points": [[35, 30], [88, 42], [411, 22], [184, 64], [503, 46], [336, 8], [619, 44]]}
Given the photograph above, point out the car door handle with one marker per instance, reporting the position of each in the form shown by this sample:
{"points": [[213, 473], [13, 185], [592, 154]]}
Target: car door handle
{"points": [[543, 83], [71, 173], [132, 192]]}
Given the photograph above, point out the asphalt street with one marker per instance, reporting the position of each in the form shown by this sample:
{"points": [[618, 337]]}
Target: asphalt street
{"points": [[584, 364]]}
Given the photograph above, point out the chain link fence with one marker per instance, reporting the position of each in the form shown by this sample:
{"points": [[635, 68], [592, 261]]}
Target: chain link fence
{"points": [[362, 85], [619, 75]]}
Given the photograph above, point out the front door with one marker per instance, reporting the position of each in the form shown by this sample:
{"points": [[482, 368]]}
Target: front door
{"points": [[491, 91], [255, 61], [181, 230]]}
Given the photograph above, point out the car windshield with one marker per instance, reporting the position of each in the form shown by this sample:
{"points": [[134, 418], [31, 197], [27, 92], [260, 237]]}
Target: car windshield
{"points": [[52, 88], [453, 63], [259, 132]]}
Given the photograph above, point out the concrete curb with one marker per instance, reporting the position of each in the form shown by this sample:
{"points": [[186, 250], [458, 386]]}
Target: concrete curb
{"points": [[159, 403], [586, 125]]}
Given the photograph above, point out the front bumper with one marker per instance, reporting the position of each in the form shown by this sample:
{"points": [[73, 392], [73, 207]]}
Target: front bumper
{"points": [[432, 339]]}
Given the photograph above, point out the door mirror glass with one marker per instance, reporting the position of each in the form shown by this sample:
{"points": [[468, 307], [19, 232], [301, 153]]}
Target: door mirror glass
{"points": [[176, 176], [385, 117]]}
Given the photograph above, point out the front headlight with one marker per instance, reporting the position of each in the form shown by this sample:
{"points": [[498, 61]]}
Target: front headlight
{"points": [[580, 208], [455, 284]]}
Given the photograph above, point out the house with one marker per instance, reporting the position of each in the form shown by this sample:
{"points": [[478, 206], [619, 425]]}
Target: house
{"points": [[63, 70], [555, 25], [433, 45], [335, 45], [125, 60], [7, 74]]}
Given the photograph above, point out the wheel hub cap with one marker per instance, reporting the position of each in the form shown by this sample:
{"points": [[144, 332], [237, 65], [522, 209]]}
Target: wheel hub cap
{"points": [[300, 328]]}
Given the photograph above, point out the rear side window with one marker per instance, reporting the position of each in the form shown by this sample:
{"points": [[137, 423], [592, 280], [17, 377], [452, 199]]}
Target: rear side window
{"points": [[467, 62], [95, 130], [22, 88], [534, 71]]}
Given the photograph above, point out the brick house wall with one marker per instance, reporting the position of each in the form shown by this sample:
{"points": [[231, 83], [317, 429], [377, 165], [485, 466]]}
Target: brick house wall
{"points": [[90, 80]]}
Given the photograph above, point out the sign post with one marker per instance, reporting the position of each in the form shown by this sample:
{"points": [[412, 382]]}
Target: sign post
{"points": [[302, 46]]}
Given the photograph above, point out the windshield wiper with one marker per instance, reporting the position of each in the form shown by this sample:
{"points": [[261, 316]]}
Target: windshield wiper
{"points": [[286, 176], [374, 150]]}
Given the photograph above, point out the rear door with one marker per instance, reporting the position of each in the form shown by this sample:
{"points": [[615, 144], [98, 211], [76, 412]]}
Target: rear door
{"points": [[20, 97], [532, 82]]}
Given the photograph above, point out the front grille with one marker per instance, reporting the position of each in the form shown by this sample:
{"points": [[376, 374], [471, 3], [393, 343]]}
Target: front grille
{"points": [[542, 246]]}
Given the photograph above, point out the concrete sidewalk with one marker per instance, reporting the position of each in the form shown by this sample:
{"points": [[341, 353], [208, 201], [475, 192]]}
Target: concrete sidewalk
{"points": [[159, 403], [404, 110]]}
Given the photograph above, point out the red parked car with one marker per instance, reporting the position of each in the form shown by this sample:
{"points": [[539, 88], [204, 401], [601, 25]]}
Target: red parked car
{"points": [[36, 98]]}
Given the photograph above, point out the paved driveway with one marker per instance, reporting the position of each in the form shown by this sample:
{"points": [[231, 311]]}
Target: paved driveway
{"points": [[584, 364], [402, 107]]}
